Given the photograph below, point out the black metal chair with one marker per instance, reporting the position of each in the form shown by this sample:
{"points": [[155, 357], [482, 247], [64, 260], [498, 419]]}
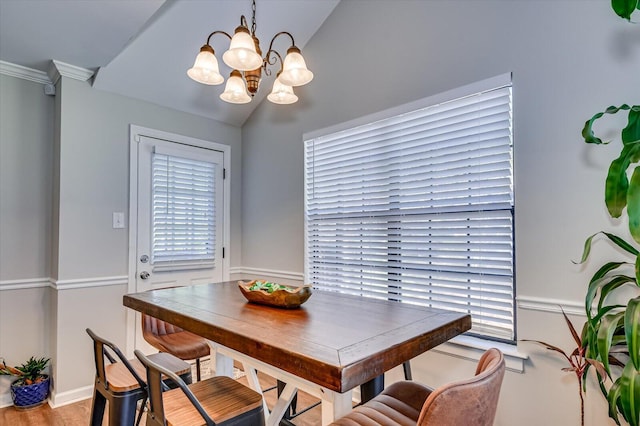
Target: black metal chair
{"points": [[218, 400], [120, 382]]}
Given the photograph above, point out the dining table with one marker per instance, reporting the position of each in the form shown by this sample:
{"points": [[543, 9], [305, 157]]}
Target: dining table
{"points": [[327, 347]]}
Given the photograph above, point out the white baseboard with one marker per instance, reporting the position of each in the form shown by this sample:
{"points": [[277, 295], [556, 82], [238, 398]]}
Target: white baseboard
{"points": [[69, 397], [5, 400]]}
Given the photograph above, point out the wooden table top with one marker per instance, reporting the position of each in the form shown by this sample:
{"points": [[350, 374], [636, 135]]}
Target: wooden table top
{"points": [[334, 340]]}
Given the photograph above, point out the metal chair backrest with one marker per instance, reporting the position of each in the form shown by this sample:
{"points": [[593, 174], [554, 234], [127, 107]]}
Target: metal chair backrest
{"points": [[155, 373]]}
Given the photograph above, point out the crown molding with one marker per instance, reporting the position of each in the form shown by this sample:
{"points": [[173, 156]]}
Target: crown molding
{"points": [[59, 69], [14, 70], [55, 70]]}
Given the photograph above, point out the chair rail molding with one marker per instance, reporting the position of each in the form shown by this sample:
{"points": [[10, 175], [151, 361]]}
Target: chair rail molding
{"points": [[24, 283], [89, 282], [30, 283], [545, 304]]}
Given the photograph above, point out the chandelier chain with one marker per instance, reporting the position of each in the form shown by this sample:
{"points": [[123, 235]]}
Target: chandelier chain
{"points": [[253, 18]]}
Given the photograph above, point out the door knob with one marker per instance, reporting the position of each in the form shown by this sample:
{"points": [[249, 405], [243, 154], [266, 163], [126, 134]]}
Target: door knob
{"points": [[144, 275]]}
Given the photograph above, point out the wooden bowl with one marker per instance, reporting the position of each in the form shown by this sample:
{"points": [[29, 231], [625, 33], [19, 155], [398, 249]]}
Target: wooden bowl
{"points": [[291, 298]]}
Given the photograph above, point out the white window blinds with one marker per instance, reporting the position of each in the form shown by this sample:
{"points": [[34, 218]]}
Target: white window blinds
{"points": [[184, 211], [418, 208]]}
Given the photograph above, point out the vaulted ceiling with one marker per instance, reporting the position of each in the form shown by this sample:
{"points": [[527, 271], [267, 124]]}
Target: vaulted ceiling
{"points": [[143, 48]]}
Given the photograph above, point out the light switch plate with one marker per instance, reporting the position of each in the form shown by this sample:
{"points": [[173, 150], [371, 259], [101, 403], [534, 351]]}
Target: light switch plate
{"points": [[118, 220]]}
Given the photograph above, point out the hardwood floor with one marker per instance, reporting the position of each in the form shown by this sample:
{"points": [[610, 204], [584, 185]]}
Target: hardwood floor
{"points": [[79, 412]]}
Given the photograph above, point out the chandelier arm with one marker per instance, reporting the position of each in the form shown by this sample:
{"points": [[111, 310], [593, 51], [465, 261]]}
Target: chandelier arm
{"points": [[272, 61], [267, 58], [217, 32], [293, 43]]}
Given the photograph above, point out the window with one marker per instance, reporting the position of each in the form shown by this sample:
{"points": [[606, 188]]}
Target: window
{"points": [[183, 194], [416, 205]]}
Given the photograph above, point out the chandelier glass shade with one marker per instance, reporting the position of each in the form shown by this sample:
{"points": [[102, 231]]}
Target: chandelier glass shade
{"points": [[245, 58]]}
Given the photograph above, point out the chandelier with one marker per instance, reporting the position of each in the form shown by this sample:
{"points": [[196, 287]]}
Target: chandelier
{"points": [[244, 57]]}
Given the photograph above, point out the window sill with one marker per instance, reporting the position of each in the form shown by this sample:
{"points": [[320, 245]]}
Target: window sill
{"points": [[472, 348]]}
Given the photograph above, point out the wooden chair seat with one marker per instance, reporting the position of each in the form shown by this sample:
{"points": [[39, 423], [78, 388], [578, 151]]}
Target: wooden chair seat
{"points": [[221, 397], [121, 379], [219, 400]]}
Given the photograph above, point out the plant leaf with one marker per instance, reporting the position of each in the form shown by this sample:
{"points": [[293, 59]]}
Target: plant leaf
{"points": [[586, 250], [606, 285], [602, 373], [633, 204], [631, 133], [587, 131], [550, 347], [608, 288], [629, 402], [613, 398], [622, 244], [617, 183], [624, 8], [615, 239], [632, 331], [572, 329], [608, 326], [606, 268]]}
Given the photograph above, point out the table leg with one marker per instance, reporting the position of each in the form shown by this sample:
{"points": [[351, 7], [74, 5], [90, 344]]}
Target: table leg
{"points": [[224, 365], [371, 388], [335, 405], [282, 405]]}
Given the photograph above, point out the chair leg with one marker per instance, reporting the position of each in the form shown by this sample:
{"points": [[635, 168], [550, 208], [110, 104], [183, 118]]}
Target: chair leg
{"points": [[406, 366], [141, 410], [97, 408], [198, 369], [122, 411]]}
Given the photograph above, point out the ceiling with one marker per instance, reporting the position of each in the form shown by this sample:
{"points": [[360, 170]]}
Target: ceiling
{"points": [[143, 48]]}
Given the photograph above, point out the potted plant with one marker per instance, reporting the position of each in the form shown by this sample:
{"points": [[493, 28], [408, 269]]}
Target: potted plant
{"points": [[32, 386], [611, 333], [612, 302], [577, 359]]}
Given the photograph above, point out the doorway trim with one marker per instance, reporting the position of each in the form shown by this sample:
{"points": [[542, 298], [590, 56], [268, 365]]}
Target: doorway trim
{"points": [[135, 132]]}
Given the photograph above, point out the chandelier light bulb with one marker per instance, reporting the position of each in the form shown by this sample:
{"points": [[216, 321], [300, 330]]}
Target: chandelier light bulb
{"points": [[205, 69], [282, 94], [294, 69], [242, 53], [234, 91]]}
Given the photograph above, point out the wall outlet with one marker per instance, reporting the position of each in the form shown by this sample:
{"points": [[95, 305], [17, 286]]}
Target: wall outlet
{"points": [[118, 220]]}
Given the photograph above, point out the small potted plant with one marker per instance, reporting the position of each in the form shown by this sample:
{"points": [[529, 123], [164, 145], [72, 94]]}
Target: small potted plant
{"points": [[32, 386]]}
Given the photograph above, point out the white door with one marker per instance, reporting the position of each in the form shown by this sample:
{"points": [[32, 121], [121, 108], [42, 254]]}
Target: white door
{"points": [[180, 228]]}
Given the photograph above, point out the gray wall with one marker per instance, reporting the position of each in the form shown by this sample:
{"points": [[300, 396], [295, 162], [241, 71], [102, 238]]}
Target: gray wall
{"points": [[570, 59], [26, 164], [65, 169], [26, 167]]}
